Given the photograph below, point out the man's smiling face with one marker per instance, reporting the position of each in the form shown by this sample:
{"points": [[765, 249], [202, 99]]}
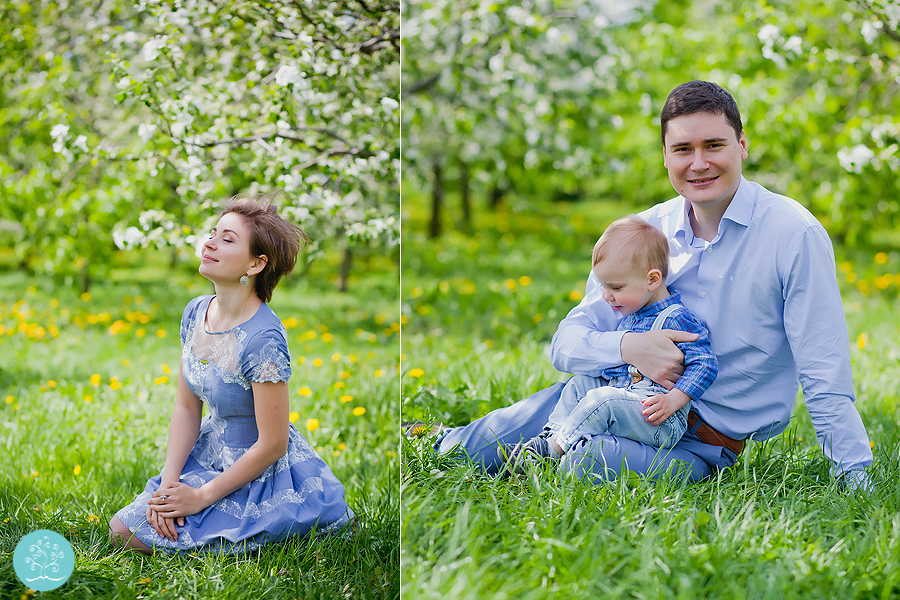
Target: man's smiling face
{"points": [[703, 155]]}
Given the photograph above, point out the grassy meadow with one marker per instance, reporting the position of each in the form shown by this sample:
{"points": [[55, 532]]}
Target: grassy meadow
{"points": [[480, 311], [87, 386]]}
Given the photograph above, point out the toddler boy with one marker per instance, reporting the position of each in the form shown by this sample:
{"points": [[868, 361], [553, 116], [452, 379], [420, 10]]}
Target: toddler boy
{"points": [[631, 262]]}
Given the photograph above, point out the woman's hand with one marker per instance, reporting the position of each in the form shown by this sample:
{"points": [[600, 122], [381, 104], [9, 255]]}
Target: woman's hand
{"points": [[164, 526], [177, 500]]}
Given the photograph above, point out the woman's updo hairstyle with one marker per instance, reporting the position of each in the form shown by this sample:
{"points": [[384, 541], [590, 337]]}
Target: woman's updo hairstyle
{"points": [[270, 235]]}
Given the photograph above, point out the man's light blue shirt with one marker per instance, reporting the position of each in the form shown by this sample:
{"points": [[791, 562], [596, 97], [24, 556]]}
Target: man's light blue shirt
{"points": [[766, 289]]}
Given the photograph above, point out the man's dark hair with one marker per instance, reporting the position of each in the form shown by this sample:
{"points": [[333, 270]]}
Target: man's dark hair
{"points": [[697, 97]]}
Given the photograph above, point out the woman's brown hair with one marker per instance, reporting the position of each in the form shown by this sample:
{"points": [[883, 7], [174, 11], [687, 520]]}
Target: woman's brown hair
{"points": [[270, 235]]}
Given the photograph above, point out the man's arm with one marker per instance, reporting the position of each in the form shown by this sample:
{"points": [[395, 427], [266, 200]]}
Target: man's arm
{"points": [[586, 341], [817, 331]]}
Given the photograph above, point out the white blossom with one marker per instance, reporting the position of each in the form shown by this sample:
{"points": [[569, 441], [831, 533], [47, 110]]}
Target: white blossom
{"points": [[151, 49]]}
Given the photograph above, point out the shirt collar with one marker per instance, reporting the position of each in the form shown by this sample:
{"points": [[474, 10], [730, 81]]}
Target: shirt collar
{"points": [[740, 211]]}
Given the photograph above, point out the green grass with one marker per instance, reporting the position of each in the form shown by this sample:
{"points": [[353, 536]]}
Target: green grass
{"points": [[775, 525], [86, 392]]}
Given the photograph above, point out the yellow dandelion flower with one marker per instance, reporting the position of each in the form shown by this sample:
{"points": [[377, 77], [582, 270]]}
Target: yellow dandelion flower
{"points": [[576, 295], [312, 424], [881, 258], [166, 369], [524, 280], [9, 399], [88, 399], [862, 340], [416, 292], [140, 332], [537, 318], [304, 391], [416, 373], [125, 362], [378, 372], [403, 320], [345, 375], [77, 469], [161, 380], [301, 360], [318, 362], [336, 357], [327, 337], [93, 519], [161, 333], [339, 384], [359, 411], [342, 446], [871, 444], [34, 473], [114, 384], [347, 398], [85, 297], [294, 417], [51, 384], [95, 379], [54, 303]]}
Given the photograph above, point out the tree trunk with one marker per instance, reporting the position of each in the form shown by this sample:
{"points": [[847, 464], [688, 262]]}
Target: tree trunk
{"points": [[496, 198], [437, 200], [465, 197], [86, 280], [345, 269]]}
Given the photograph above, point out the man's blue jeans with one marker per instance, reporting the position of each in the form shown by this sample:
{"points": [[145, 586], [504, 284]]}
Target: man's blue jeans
{"points": [[600, 457]]}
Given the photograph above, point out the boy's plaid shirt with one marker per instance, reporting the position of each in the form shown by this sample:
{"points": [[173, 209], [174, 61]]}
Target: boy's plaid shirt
{"points": [[700, 364]]}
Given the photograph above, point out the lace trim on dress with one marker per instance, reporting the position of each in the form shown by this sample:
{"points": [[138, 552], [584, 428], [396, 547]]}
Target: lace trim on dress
{"points": [[270, 364], [212, 453]]}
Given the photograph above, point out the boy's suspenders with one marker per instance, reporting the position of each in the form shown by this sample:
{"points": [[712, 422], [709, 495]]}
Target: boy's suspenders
{"points": [[658, 323]]}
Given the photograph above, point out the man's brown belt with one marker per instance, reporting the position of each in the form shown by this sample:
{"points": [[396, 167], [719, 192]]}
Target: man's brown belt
{"points": [[712, 437]]}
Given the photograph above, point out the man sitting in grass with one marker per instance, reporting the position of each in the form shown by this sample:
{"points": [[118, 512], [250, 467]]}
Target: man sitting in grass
{"points": [[630, 261], [759, 270]]}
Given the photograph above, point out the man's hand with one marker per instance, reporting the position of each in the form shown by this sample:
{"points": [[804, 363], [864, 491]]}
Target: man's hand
{"points": [[655, 354], [660, 407]]}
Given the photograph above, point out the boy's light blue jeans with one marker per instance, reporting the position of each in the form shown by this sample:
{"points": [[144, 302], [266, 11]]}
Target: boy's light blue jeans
{"points": [[590, 406]]}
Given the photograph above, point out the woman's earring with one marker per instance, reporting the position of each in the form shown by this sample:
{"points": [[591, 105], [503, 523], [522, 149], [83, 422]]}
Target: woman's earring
{"points": [[245, 280]]}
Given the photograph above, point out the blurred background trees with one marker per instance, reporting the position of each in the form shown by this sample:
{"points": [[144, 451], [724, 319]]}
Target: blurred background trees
{"points": [[559, 101], [125, 125]]}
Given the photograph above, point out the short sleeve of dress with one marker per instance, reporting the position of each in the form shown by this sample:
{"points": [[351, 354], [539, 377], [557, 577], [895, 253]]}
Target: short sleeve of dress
{"points": [[187, 317], [266, 357]]}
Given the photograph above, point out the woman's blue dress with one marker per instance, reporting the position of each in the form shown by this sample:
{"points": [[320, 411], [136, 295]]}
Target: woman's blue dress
{"points": [[294, 495]]}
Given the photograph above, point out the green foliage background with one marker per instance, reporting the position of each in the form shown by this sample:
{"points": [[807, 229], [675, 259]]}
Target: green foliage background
{"points": [[560, 100]]}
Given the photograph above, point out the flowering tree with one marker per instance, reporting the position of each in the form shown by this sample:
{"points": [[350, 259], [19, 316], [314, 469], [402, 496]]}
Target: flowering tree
{"points": [[496, 90], [562, 98], [177, 105]]}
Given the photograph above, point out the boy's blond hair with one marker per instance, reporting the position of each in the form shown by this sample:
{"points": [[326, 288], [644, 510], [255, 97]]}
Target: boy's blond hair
{"points": [[634, 242]]}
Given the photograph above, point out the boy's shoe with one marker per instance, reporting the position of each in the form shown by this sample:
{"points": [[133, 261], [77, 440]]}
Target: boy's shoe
{"points": [[516, 456]]}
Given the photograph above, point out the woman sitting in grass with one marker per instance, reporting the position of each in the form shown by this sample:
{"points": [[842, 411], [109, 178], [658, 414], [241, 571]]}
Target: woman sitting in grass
{"points": [[242, 475]]}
